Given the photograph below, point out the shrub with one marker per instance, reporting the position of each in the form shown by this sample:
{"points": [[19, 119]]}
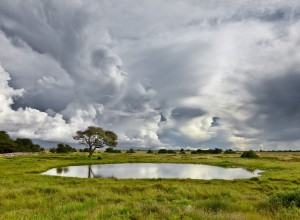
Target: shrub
{"points": [[249, 154], [229, 151], [209, 151], [162, 151], [288, 199], [111, 150], [61, 148], [216, 205], [130, 151], [150, 151], [165, 151]]}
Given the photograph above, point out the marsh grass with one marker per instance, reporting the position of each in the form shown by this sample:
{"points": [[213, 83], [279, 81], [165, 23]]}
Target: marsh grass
{"points": [[25, 194]]}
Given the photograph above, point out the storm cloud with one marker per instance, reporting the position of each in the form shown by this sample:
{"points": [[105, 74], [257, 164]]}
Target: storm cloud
{"points": [[159, 73]]}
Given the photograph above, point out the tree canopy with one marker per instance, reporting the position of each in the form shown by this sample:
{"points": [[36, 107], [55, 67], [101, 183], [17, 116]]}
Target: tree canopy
{"points": [[96, 137]]}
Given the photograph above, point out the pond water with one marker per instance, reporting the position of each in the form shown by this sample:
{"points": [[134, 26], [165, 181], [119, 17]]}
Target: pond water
{"points": [[153, 171]]}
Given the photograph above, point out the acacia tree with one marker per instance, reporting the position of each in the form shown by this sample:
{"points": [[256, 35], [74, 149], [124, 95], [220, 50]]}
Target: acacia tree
{"points": [[96, 137]]}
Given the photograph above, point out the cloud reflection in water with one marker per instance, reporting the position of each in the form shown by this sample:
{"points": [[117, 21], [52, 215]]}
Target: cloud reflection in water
{"points": [[153, 171]]}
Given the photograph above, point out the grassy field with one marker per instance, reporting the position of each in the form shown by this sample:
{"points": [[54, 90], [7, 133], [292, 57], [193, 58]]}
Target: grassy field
{"points": [[25, 194]]}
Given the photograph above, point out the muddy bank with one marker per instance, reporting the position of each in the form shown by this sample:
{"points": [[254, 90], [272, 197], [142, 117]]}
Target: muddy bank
{"points": [[18, 154]]}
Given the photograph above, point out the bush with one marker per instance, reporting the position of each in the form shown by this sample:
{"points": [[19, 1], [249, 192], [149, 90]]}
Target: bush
{"points": [[288, 199], [130, 151], [209, 151], [111, 150], [150, 151], [249, 154], [61, 148], [229, 151], [165, 151], [216, 205]]}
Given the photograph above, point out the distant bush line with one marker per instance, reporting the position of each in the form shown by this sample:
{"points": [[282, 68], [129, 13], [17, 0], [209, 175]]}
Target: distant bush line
{"points": [[209, 151], [111, 150], [165, 151]]}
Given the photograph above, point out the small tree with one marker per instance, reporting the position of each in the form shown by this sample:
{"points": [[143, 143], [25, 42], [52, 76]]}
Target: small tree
{"points": [[96, 137]]}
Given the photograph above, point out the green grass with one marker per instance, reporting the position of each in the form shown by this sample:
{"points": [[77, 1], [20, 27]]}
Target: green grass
{"points": [[25, 194]]}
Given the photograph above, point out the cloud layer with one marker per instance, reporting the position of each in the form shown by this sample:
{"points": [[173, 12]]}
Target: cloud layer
{"points": [[158, 73]]}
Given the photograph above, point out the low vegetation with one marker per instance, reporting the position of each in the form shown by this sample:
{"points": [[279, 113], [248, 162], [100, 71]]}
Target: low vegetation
{"points": [[286, 199]]}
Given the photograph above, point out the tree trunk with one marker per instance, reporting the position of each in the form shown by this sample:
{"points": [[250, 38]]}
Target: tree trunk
{"points": [[91, 152]]}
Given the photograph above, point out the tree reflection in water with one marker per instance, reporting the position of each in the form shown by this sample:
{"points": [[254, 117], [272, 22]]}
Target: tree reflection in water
{"points": [[90, 172], [61, 170]]}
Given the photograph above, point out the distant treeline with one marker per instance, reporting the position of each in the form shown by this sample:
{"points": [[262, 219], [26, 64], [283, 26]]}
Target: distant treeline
{"points": [[111, 150], [165, 151], [62, 148], [279, 151], [8, 145], [213, 151]]}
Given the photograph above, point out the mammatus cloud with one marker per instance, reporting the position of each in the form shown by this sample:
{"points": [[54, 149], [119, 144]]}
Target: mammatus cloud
{"points": [[158, 73]]}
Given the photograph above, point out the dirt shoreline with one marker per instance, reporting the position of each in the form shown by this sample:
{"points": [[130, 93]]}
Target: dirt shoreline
{"points": [[18, 154]]}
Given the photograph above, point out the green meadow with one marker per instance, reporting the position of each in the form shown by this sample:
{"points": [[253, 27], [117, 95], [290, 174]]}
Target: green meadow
{"points": [[25, 194]]}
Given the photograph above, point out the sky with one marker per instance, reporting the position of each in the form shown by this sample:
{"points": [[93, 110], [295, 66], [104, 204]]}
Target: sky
{"points": [[159, 73]]}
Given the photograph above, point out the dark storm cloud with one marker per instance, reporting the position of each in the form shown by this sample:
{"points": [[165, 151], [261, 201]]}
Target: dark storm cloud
{"points": [[269, 14], [162, 117], [186, 113], [277, 107], [56, 32], [215, 121], [172, 71]]}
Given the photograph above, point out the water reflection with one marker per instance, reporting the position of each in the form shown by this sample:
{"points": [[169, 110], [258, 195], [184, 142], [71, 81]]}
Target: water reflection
{"points": [[61, 170], [153, 170]]}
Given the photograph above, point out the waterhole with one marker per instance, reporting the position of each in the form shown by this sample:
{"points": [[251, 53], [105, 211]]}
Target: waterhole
{"points": [[153, 171]]}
